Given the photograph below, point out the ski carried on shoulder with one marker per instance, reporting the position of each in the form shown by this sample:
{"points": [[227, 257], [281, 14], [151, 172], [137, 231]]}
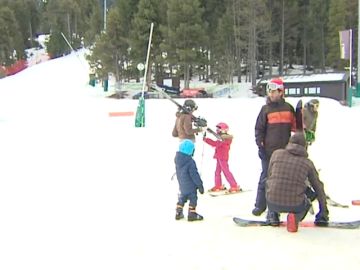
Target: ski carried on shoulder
{"points": [[309, 224], [198, 121]]}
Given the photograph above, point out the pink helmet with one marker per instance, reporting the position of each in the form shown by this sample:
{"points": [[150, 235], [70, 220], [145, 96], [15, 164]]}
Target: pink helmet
{"points": [[222, 127]]}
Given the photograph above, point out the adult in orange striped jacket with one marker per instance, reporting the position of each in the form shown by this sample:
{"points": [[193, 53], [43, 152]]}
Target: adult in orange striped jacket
{"points": [[273, 129]]}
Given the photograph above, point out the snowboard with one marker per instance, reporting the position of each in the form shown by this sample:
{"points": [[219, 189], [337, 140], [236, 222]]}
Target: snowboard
{"points": [[308, 224], [226, 192], [299, 116]]}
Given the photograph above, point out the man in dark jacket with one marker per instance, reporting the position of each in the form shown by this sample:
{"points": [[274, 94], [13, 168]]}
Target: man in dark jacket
{"points": [[273, 128], [289, 171], [189, 181]]}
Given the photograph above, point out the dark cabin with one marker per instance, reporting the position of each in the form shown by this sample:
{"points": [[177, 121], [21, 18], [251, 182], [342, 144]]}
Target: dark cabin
{"points": [[330, 85]]}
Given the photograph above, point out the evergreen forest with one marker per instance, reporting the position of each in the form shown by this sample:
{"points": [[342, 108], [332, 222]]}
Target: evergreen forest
{"points": [[217, 40]]}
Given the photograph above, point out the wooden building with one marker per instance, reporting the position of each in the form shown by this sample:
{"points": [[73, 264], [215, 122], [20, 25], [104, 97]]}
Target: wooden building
{"points": [[331, 85]]}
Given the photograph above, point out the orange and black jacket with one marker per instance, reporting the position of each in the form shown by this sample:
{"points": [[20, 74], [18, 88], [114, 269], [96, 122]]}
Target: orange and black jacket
{"points": [[273, 126]]}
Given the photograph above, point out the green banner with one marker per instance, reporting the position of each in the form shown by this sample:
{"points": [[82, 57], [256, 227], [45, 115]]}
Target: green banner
{"points": [[140, 113]]}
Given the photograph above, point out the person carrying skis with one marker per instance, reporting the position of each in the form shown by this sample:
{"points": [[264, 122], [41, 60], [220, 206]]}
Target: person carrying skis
{"points": [[189, 181], [289, 171], [183, 128], [310, 115], [222, 148], [273, 128]]}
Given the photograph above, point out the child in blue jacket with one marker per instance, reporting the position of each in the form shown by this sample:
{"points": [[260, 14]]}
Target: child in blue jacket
{"points": [[189, 181]]}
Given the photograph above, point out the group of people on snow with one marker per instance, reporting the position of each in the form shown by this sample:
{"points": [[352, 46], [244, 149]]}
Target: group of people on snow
{"points": [[288, 181]]}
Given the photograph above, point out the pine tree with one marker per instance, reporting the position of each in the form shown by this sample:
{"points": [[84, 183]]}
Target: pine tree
{"points": [[149, 11], [10, 37], [186, 34], [336, 23]]}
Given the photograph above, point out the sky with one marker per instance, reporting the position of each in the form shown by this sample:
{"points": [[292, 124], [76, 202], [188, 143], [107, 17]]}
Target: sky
{"points": [[82, 190]]}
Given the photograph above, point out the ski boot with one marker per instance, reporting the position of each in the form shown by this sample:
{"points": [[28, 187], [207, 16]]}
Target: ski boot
{"points": [[179, 212], [193, 216], [235, 189], [258, 211], [217, 188]]}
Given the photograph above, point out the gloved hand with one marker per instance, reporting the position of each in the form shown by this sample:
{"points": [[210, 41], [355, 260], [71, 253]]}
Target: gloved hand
{"points": [[322, 217], [310, 194], [262, 153], [201, 189]]}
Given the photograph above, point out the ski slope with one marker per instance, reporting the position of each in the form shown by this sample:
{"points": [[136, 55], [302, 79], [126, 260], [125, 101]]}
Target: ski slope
{"points": [[82, 190]]}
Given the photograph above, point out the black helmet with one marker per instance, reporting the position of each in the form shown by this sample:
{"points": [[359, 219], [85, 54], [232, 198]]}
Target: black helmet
{"points": [[190, 105]]}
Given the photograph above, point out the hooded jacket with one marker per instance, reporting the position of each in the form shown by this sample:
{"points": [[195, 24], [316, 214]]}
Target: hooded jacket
{"points": [[310, 117], [273, 125], [222, 148], [183, 127], [289, 169], [187, 173]]}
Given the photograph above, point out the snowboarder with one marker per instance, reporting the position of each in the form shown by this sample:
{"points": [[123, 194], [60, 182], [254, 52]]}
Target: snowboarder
{"points": [[310, 114], [183, 128], [189, 181], [222, 148], [273, 128], [289, 171]]}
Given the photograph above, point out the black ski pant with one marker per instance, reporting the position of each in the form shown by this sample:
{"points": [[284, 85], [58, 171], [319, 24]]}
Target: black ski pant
{"points": [[261, 192], [300, 211]]}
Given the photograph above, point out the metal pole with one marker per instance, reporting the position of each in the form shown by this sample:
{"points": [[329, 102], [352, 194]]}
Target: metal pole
{"points": [[105, 15], [147, 59], [350, 56], [358, 55]]}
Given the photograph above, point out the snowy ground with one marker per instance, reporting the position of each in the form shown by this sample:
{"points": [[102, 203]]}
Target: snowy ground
{"points": [[82, 190]]}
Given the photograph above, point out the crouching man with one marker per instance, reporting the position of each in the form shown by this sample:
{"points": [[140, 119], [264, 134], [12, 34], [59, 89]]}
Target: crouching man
{"points": [[289, 170]]}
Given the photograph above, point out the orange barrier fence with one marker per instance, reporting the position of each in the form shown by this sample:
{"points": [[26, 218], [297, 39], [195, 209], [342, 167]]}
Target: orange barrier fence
{"points": [[111, 114]]}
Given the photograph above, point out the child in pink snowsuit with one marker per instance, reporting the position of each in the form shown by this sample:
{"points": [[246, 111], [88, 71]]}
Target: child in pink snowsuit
{"points": [[222, 148]]}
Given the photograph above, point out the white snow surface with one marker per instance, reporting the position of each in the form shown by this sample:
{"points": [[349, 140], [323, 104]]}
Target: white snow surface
{"points": [[82, 190]]}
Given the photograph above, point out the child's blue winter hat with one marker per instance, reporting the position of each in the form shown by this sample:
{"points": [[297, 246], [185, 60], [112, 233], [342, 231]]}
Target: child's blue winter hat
{"points": [[187, 147]]}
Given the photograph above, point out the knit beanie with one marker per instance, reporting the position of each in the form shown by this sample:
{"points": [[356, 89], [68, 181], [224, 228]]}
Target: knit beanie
{"points": [[298, 138]]}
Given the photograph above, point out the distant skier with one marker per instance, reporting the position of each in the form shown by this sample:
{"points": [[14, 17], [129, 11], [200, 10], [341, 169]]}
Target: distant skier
{"points": [[310, 115], [189, 181], [273, 128], [222, 148], [290, 170], [183, 128]]}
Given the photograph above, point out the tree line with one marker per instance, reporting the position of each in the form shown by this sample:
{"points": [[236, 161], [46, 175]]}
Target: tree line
{"points": [[213, 39]]}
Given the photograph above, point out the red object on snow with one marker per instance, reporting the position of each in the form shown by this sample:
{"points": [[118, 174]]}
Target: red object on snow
{"points": [[15, 68], [355, 202]]}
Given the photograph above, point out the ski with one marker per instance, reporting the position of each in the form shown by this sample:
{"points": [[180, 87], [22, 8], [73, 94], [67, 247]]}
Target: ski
{"points": [[334, 203], [198, 121], [226, 192], [299, 116], [309, 224]]}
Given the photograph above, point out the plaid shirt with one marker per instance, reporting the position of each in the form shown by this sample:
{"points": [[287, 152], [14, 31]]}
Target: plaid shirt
{"points": [[289, 169]]}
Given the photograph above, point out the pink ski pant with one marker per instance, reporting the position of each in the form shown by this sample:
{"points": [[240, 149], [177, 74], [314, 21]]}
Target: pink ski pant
{"points": [[223, 166]]}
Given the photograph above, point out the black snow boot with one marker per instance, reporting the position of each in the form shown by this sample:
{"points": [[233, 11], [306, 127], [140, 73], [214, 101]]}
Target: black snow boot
{"points": [[179, 212], [193, 216], [273, 218]]}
